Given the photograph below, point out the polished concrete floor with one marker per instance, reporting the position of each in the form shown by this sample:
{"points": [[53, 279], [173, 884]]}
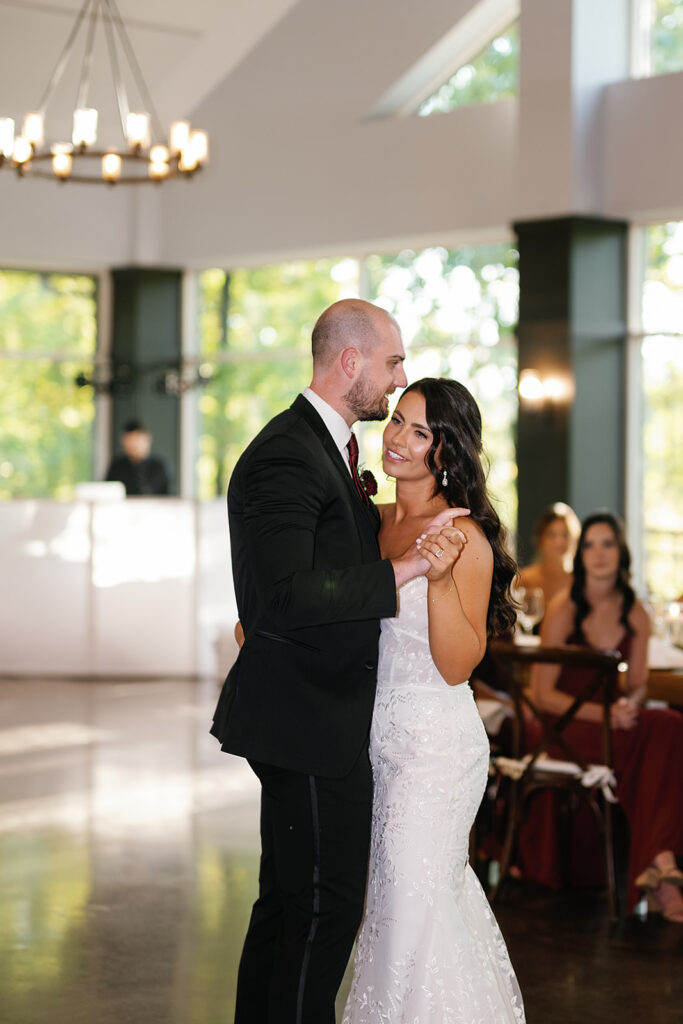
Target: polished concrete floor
{"points": [[128, 863]]}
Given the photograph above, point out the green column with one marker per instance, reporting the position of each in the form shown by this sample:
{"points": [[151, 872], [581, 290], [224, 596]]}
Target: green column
{"points": [[146, 346], [572, 324]]}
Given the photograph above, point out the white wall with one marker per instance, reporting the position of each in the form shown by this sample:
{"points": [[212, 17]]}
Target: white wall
{"points": [[643, 176], [47, 224], [349, 188]]}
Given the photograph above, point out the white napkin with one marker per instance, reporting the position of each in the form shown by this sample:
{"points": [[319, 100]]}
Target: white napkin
{"points": [[493, 714], [527, 640], [662, 654]]}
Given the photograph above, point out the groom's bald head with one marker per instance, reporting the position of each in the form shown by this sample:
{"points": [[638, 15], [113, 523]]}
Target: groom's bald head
{"points": [[357, 359], [349, 323]]}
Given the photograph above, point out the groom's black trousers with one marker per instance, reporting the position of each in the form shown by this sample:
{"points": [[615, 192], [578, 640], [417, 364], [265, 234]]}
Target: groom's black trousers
{"points": [[315, 838]]}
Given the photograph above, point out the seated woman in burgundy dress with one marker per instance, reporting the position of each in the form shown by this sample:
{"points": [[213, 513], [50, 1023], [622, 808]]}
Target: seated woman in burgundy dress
{"points": [[602, 611]]}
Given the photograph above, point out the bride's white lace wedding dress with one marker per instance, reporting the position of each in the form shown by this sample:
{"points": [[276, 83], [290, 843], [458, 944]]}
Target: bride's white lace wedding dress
{"points": [[430, 950]]}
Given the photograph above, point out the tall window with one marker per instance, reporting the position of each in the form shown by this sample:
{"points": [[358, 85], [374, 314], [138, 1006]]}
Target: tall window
{"points": [[255, 351], [456, 308], [666, 36], [658, 37], [48, 335], [492, 74], [662, 423]]}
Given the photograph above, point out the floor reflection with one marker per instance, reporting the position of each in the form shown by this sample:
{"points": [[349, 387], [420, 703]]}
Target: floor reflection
{"points": [[128, 865], [128, 854]]}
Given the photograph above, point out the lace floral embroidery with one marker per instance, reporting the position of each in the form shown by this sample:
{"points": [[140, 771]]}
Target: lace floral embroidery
{"points": [[430, 949]]}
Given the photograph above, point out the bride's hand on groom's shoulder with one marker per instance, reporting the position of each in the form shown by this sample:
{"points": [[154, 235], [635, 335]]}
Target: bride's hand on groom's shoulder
{"points": [[413, 562], [441, 550], [445, 518], [454, 540]]}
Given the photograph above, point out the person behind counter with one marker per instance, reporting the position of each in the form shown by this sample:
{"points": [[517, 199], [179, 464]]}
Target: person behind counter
{"points": [[139, 471]]}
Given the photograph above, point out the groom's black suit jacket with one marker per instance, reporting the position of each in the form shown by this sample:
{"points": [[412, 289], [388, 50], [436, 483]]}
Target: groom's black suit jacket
{"points": [[310, 590]]}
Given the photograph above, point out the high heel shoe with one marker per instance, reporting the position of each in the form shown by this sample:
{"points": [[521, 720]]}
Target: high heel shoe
{"points": [[672, 876], [652, 877], [649, 880], [659, 902]]}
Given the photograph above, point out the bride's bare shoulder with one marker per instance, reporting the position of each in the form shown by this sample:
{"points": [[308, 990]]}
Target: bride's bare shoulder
{"points": [[478, 545], [470, 528]]}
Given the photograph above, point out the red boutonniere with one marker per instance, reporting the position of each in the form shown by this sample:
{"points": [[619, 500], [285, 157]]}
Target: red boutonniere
{"points": [[369, 483]]}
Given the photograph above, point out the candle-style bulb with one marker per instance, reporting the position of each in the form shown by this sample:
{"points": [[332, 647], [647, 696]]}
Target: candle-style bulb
{"points": [[111, 166], [33, 129], [6, 137], [137, 130], [179, 136], [84, 127]]}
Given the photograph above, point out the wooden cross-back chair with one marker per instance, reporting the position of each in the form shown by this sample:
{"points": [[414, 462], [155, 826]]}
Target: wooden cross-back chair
{"points": [[533, 771]]}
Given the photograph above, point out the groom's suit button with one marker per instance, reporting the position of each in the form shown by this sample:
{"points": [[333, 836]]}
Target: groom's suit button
{"points": [[369, 665]]}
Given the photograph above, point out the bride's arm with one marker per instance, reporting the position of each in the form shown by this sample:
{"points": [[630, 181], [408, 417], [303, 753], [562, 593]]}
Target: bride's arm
{"points": [[458, 606]]}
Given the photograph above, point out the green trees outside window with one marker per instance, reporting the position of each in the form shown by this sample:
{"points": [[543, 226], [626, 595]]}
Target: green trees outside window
{"points": [[492, 75], [666, 36], [456, 309], [255, 344], [48, 334], [662, 427]]}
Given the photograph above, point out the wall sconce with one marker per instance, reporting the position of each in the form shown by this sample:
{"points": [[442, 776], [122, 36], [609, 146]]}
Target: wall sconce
{"points": [[119, 382], [121, 379], [179, 381], [539, 389]]}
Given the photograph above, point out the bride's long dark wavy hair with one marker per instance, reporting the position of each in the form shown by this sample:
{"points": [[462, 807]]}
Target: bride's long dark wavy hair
{"points": [[455, 422]]}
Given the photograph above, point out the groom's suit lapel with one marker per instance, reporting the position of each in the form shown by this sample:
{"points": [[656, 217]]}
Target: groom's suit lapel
{"points": [[365, 514]]}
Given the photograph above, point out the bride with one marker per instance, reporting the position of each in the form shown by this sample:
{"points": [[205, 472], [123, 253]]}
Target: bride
{"points": [[429, 949]]}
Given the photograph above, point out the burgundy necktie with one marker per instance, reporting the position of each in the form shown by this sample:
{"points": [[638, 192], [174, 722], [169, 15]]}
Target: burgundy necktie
{"points": [[353, 462]]}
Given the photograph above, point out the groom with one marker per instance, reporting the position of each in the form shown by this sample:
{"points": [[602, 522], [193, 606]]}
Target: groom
{"points": [[311, 588]]}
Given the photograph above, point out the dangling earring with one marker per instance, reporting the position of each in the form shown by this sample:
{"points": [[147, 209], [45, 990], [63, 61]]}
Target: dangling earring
{"points": [[444, 478]]}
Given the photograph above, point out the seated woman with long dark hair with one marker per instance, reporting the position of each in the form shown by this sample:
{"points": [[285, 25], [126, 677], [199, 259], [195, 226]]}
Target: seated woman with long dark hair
{"points": [[601, 611]]}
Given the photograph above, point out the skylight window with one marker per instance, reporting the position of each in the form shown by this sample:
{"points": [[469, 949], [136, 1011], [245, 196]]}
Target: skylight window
{"points": [[492, 74]]}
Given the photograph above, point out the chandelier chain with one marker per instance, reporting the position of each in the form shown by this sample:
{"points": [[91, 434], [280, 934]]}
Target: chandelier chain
{"points": [[135, 66], [63, 59], [84, 83], [119, 86]]}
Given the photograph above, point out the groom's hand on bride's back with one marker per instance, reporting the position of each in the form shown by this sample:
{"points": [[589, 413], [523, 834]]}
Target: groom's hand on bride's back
{"points": [[411, 563]]}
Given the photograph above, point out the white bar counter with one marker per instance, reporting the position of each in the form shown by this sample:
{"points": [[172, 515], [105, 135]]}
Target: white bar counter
{"points": [[138, 587]]}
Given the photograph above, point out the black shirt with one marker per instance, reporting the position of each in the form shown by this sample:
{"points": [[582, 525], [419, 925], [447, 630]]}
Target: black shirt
{"points": [[148, 476]]}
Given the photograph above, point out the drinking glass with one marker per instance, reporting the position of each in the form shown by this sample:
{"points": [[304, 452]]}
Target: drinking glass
{"points": [[674, 617], [531, 607]]}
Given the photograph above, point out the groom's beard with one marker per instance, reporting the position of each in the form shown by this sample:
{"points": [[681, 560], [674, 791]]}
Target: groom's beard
{"points": [[364, 402]]}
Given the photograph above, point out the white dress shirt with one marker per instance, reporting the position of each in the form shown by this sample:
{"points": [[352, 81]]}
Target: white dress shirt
{"points": [[335, 423]]}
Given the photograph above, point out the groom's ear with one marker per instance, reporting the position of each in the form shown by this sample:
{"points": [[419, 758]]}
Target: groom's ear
{"points": [[350, 360]]}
